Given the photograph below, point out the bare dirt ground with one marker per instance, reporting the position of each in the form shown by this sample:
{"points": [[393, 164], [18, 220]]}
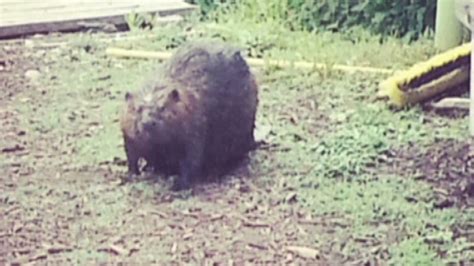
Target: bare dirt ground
{"points": [[449, 166], [59, 208]]}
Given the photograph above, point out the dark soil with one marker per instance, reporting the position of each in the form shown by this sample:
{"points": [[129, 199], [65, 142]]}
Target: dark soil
{"points": [[447, 164]]}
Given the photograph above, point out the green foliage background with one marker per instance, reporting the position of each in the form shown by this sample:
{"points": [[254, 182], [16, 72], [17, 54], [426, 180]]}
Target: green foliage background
{"points": [[410, 19]]}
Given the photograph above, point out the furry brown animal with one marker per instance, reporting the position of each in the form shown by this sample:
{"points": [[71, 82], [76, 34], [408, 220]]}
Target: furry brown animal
{"points": [[196, 117], [137, 141]]}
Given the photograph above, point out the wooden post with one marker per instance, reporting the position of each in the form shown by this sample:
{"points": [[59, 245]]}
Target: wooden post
{"points": [[464, 10], [448, 30], [471, 108]]}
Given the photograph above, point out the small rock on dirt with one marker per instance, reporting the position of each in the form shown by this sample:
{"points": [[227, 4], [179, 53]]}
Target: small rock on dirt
{"points": [[32, 74], [304, 252], [262, 132]]}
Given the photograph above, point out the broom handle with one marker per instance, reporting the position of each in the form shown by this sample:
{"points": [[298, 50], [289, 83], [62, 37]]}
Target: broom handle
{"points": [[256, 62]]}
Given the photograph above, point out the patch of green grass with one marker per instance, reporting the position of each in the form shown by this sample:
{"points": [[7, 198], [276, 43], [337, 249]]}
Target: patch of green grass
{"points": [[344, 172], [339, 171], [83, 100], [85, 256], [414, 252], [374, 203]]}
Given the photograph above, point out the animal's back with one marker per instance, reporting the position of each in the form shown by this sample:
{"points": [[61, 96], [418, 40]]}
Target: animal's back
{"points": [[228, 94], [210, 65]]}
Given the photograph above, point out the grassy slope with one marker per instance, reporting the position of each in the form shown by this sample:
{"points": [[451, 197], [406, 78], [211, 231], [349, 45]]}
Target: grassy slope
{"points": [[329, 131]]}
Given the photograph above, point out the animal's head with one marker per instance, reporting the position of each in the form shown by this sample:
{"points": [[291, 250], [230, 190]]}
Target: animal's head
{"points": [[142, 107], [154, 110]]}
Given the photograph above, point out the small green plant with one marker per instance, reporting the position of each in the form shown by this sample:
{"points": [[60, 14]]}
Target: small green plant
{"points": [[136, 21], [207, 6]]}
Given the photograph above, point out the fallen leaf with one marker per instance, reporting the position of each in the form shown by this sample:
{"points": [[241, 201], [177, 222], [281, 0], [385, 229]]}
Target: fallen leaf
{"points": [[58, 249], [217, 217], [133, 250], [304, 252], [190, 214], [113, 249], [254, 224], [174, 248], [187, 236], [104, 77], [257, 246], [15, 148], [294, 119], [40, 256], [162, 215], [11, 210], [17, 227], [291, 198], [302, 231]]}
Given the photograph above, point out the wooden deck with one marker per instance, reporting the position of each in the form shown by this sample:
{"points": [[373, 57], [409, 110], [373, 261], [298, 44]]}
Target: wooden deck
{"points": [[20, 17]]}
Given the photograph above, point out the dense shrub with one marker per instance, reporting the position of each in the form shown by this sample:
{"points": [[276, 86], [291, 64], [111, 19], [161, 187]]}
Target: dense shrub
{"points": [[408, 18], [403, 18]]}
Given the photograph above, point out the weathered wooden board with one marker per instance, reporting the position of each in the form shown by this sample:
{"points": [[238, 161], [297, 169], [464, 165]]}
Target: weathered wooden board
{"points": [[20, 17]]}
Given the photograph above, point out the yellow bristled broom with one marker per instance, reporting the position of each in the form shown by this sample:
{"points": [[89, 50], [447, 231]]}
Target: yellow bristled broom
{"points": [[424, 80]]}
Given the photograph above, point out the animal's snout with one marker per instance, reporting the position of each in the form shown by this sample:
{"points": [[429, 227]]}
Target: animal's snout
{"points": [[151, 125]]}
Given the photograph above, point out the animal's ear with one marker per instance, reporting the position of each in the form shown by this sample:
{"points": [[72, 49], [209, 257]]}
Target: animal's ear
{"points": [[196, 54], [237, 55], [175, 95], [128, 96]]}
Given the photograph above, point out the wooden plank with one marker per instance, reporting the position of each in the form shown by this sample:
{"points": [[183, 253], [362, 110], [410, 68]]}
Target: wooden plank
{"points": [[42, 16], [39, 7], [73, 16], [29, 3], [21, 17], [52, 4], [79, 13]]}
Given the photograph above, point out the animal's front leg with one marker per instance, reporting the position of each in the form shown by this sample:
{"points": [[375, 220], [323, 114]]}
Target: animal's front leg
{"points": [[132, 160], [190, 167]]}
